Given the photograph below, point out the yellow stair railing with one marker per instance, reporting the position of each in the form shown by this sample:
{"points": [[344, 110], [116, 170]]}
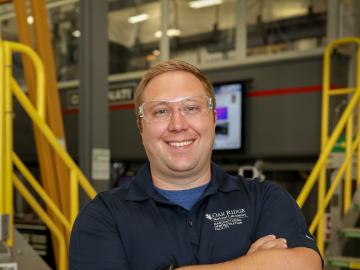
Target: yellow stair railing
{"points": [[344, 126], [9, 160]]}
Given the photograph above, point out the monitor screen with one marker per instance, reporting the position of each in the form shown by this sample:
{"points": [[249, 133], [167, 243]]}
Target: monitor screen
{"points": [[229, 116]]}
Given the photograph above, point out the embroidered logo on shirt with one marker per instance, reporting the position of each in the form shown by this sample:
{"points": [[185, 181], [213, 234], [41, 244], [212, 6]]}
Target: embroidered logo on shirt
{"points": [[225, 219]]}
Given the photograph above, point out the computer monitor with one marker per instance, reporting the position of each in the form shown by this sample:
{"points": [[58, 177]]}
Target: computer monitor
{"points": [[229, 106]]}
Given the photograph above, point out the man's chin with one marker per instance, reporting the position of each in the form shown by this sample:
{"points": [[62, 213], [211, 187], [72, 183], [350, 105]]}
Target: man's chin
{"points": [[181, 167]]}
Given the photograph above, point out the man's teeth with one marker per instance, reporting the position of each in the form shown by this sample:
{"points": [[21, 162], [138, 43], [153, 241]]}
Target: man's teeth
{"points": [[180, 144]]}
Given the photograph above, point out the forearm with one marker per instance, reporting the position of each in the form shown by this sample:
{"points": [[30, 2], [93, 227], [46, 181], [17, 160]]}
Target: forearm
{"points": [[272, 259]]}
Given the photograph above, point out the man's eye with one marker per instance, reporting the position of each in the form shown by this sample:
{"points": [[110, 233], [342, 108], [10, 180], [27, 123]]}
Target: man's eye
{"points": [[191, 109], [160, 112]]}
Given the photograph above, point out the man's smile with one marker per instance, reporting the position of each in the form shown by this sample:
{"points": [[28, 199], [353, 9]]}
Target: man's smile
{"points": [[177, 144]]}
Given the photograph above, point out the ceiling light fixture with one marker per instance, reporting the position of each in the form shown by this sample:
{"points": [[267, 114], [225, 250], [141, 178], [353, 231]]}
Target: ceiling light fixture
{"points": [[30, 19], [204, 3], [76, 33], [138, 18], [170, 32]]}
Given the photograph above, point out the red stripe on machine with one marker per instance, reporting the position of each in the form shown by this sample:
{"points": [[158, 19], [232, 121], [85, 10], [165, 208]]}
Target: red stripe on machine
{"points": [[285, 91], [256, 93]]}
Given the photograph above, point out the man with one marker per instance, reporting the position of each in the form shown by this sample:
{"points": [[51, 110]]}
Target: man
{"points": [[182, 211]]}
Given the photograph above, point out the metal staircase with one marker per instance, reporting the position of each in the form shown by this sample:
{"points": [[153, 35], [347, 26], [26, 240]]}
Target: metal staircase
{"points": [[12, 248], [338, 195]]}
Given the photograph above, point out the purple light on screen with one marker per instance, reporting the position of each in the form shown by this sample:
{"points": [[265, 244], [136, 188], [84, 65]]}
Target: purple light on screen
{"points": [[222, 113]]}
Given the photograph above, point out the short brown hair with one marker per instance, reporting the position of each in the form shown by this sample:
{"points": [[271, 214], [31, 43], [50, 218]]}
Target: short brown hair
{"points": [[171, 65]]}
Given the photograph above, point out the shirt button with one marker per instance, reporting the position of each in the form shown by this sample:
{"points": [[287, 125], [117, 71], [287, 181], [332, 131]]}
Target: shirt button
{"points": [[190, 223]]}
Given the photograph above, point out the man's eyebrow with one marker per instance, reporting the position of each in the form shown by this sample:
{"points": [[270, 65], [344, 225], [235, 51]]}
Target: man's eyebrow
{"points": [[157, 102]]}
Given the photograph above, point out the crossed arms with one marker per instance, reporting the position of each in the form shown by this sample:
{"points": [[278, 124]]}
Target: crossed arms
{"points": [[269, 253]]}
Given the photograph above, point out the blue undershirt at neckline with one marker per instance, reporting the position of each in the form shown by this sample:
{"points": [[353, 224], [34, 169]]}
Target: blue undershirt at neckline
{"points": [[185, 198]]}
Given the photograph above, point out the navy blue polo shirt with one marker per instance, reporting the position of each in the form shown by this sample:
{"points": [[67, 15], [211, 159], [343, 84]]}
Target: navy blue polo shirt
{"points": [[136, 228]]}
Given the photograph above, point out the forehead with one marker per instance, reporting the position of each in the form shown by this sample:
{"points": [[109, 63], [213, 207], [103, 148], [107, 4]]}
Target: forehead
{"points": [[173, 84]]}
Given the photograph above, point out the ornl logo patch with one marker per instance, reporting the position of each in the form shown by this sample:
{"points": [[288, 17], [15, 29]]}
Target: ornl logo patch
{"points": [[225, 219]]}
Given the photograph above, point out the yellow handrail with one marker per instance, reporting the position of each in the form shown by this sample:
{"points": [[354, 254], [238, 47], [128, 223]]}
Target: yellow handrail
{"points": [[40, 191], [42, 214], [45, 130], [333, 186], [325, 153], [39, 71], [2, 132], [327, 144], [7, 157], [74, 200]]}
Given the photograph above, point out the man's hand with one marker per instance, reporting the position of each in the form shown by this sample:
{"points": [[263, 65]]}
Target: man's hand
{"points": [[267, 242]]}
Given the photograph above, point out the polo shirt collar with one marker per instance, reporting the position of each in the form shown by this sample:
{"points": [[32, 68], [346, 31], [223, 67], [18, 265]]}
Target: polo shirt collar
{"points": [[142, 187]]}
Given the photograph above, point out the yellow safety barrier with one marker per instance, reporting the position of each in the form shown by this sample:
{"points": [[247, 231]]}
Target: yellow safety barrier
{"points": [[40, 191], [332, 188], [47, 220], [8, 158], [8, 111], [45, 130], [345, 123], [40, 74], [2, 132]]}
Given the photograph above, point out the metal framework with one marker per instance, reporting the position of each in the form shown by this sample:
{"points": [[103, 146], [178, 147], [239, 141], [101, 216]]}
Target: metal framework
{"points": [[328, 141], [9, 160]]}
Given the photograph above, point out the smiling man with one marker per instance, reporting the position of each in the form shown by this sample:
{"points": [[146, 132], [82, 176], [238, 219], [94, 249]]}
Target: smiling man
{"points": [[181, 210]]}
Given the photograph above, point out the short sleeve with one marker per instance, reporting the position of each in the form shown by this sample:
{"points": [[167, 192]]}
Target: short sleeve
{"points": [[280, 215], [95, 241]]}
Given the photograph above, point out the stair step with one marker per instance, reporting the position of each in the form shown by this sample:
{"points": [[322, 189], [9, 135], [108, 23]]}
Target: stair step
{"points": [[351, 232], [345, 262]]}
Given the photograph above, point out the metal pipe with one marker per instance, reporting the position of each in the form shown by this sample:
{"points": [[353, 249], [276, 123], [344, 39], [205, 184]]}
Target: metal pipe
{"points": [[47, 220], [74, 196], [40, 74], [348, 173], [336, 132], [333, 187], [8, 189], [358, 114], [45, 130], [164, 39], [341, 91], [2, 130], [40, 191]]}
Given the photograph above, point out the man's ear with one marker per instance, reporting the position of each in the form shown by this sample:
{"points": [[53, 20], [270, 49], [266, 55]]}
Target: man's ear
{"points": [[138, 123], [215, 116]]}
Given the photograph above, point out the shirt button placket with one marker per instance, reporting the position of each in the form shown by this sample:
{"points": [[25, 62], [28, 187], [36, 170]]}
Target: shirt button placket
{"points": [[190, 223]]}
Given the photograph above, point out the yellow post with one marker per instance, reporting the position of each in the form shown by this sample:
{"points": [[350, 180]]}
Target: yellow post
{"points": [[74, 196], [8, 140], [358, 115], [2, 131], [358, 132], [61, 265], [348, 157], [337, 179], [324, 139]]}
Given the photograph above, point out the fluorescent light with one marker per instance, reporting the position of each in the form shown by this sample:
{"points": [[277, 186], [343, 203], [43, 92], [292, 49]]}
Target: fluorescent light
{"points": [[138, 18], [173, 32], [204, 3], [76, 33], [30, 19], [170, 32]]}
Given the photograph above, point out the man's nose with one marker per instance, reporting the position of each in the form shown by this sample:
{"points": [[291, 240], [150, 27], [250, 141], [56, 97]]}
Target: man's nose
{"points": [[177, 121]]}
